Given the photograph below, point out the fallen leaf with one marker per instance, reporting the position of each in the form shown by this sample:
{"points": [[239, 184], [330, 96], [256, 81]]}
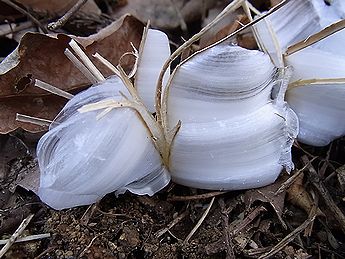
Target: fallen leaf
{"points": [[10, 149], [45, 107], [299, 196], [59, 7], [29, 177], [165, 14], [267, 194], [41, 56], [229, 24]]}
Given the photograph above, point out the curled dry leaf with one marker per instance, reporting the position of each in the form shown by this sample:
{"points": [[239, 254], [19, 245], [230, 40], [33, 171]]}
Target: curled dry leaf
{"points": [[59, 7], [40, 56], [298, 196], [267, 194], [233, 23]]}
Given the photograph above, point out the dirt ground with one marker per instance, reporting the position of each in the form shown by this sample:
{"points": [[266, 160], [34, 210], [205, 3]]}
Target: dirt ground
{"points": [[239, 224]]}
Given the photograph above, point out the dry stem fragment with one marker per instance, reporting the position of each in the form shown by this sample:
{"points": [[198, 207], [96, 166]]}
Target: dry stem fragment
{"points": [[290, 237], [52, 89], [27, 238], [82, 68], [320, 187], [171, 224], [62, 21], [328, 31], [105, 62], [33, 120], [318, 81], [87, 62], [23, 11], [16, 234], [199, 222], [195, 197]]}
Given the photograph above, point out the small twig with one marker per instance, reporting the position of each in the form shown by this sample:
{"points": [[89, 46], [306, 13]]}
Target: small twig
{"points": [[317, 81], [33, 120], [313, 211], [328, 31], [247, 220], [195, 197], [248, 7], [199, 222], [174, 236], [256, 251], [114, 215], [52, 89], [225, 218], [88, 246], [16, 234], [80, 66], [286, 240], [134, 53], [253, 9], [341, 256], [27, 238], [20, 27], [62, 21], [23, 11], [320, 187], [297, 145], [84, 220], [48, 250], [176, 220], [86, 61], [285, 185], [106, 63], [326, 163]]}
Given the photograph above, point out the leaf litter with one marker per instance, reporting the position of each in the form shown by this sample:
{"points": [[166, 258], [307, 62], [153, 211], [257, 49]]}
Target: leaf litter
{"points": [[34, 59], [254, 223]]}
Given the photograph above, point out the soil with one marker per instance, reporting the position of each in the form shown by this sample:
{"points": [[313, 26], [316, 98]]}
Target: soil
{"points": [[131, 226]]}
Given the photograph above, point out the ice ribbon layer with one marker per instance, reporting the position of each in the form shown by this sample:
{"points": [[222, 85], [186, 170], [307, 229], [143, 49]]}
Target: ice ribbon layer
{"points": [[83, 157], [233, 134]]}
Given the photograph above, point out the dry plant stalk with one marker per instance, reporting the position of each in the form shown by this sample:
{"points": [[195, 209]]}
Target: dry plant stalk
{"points": [[16, 234]]}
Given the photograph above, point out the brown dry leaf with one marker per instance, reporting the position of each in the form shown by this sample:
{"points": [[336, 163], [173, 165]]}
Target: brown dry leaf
{"points": [[10, 149], [275, 2], [299, 196], [40, 56], [267, 194], [59, 7], [29, 177], [228, 25], [165, 14]]}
